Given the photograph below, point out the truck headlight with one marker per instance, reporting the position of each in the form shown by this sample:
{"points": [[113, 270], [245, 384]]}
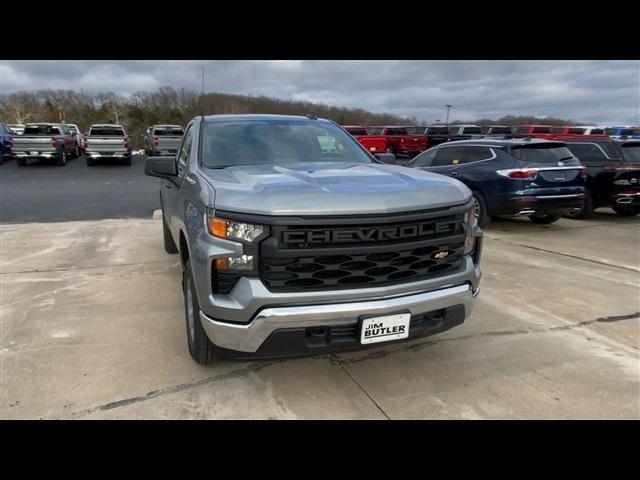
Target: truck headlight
{"points": [[470, 224], [232, 230]]}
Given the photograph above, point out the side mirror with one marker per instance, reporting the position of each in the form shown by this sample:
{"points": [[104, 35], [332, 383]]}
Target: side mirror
{"points": [[386, 157], [161, 167]]}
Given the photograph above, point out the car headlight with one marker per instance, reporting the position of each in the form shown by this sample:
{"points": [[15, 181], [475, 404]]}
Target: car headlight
{"points": [[470, 224], [247, 233], [232, 230]]}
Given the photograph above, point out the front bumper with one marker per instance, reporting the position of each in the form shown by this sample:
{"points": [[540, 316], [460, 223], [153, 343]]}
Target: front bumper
{"points": [[284, 331]]}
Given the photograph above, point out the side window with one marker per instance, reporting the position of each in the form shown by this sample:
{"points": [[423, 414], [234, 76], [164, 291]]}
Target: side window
{"points": [[588, 153], [183, 154], [446, 157], [474, 154], [424, 159]]}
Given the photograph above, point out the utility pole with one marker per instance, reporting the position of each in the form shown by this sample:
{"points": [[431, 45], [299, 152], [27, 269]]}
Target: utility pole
{"points": [[202, 93], [448, 108]]}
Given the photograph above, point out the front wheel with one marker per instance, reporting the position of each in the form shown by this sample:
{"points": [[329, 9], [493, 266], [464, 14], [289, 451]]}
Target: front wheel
{"points": [[480, 207], [627, 211], [200, 347], [544, 219]]}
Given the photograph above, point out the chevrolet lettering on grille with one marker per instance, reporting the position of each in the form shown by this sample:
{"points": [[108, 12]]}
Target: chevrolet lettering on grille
{"points": [[401, 232]]}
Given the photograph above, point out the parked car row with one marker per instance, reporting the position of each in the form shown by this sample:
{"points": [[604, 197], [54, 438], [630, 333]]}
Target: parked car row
{"points": [[62, 141], [542, 179]]}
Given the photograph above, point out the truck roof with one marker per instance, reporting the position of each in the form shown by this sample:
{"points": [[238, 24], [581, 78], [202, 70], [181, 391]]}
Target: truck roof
{"points": [[500, 142], [106, 125], [167, 125], [257, 117], [43, 123]]}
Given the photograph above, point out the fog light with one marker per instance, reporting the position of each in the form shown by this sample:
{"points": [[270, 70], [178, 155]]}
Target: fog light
{"points": [[243, 262]]}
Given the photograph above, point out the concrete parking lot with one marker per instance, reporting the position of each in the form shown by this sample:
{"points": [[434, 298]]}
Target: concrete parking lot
{"points": [[92, 323]]}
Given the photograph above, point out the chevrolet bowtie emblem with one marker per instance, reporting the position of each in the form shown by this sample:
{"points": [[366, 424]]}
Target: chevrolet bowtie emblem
{"points": [[440, 255]]}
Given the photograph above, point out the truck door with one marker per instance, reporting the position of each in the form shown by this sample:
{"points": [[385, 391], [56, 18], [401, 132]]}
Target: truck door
{"points": [[170, 190]]}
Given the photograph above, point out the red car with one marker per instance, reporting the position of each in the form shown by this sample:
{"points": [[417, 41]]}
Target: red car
{"points": [[400, 141], [373, 143]]}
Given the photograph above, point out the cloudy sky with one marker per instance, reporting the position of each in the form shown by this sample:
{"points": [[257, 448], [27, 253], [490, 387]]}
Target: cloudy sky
{"points": [[597, 92]]}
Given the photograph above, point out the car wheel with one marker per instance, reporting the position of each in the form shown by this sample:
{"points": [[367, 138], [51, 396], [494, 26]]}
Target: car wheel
{"points": [[544, 219], [586, 211], [62, 161], [480, 206], [627, 211], [200, 347], [76, 153], [127, 162], [390, 149], [169, 244], [21, 162], [90, 162]]}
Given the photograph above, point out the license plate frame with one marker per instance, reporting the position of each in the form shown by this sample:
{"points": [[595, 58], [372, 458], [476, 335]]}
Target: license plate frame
{"points": [[385, 324]]}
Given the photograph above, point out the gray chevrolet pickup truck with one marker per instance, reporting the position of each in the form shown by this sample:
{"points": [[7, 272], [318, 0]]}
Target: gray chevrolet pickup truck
{"points": [[295, 240], [107, 142], [48, 141], [163, 139]]}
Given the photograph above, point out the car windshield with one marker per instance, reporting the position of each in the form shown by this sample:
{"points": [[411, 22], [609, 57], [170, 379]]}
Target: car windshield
{"points": [[631, 152], [41, 130], [167, 131], [254, 142], [106, 132], [541, 153]]}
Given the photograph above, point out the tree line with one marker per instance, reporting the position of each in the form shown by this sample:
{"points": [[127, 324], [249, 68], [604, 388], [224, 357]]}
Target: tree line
{"points": [[165, 106], [168, 105]]}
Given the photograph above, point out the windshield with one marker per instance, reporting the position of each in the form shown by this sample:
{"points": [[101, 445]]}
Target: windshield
{"points": [[631, 152], [375, 130], [41, 130], [165, 131], [542, 153], [254, 142], [106, 132], [438, 131]]}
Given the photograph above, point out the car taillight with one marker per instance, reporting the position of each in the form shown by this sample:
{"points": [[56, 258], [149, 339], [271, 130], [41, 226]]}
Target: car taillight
{"points": [[126, 143], [10, 142], [519, 173], [156, 142], [54, 143], [85, 144]]}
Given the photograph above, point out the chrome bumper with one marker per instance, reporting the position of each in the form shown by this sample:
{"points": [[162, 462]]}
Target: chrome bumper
{"points": [[249, 337]]}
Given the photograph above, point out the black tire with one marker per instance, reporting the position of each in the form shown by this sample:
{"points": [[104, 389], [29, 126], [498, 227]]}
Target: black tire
{"points": [[200, 347], [587, 210], [481, 209], [390, 149], [169, 244], [62, 160], [626, 211], [544, 219], [76, 153], [127, 162], [21, 162], [90, 162]]}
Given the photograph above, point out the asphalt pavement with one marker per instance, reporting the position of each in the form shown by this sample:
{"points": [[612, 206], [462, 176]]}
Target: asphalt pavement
{"points": [[43, 192]]}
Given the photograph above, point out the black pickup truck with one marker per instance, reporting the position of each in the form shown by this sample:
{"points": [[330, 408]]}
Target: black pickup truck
{"points": [[613, 168]]}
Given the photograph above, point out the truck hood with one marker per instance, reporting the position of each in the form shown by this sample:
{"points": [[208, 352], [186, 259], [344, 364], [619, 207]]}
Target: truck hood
{"points": [[331, 189]]}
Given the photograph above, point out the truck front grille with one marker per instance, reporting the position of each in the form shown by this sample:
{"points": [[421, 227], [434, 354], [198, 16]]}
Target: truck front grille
{"points": [[320, 257]]}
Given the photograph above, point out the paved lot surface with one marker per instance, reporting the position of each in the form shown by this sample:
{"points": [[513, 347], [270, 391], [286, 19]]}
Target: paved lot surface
{"points": [[93, 327], [44, 192]]}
